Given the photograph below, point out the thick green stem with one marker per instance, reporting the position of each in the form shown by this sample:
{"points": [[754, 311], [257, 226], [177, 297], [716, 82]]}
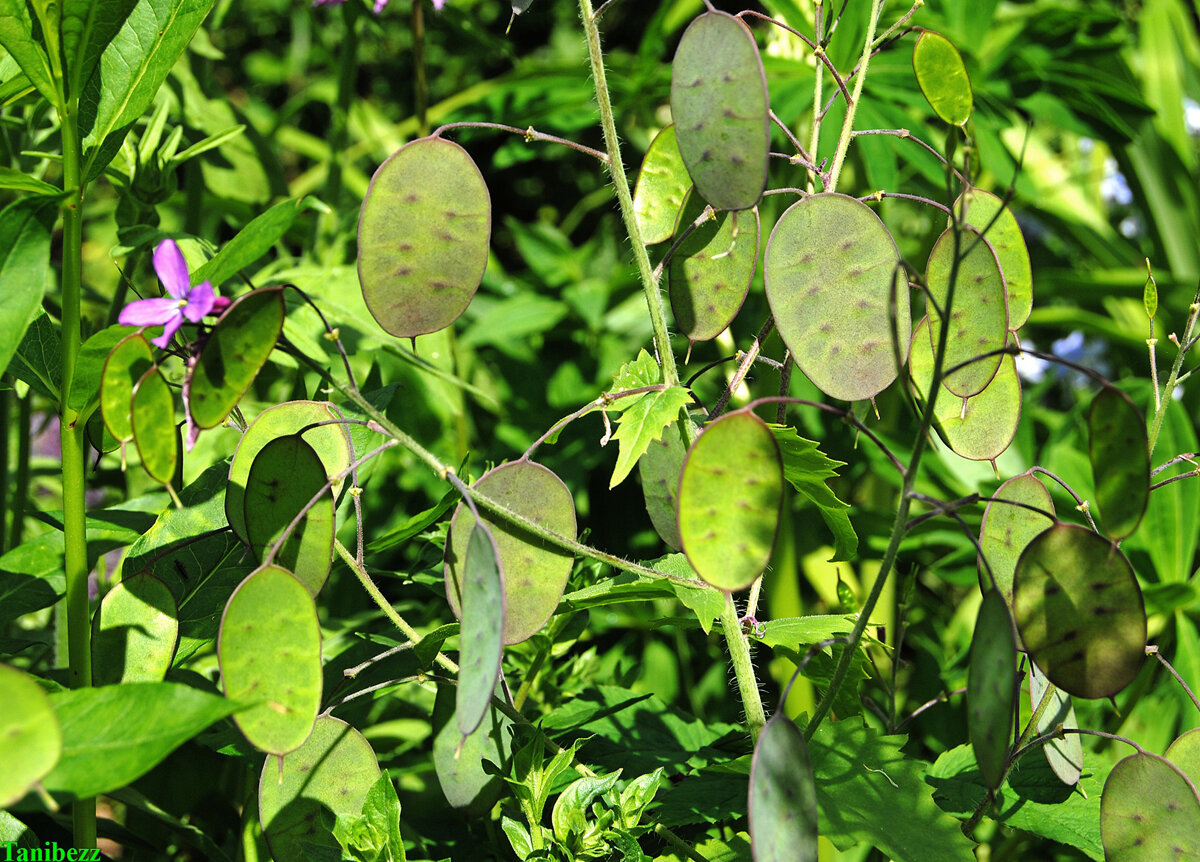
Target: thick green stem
{"points": [[848, 124], [616, 168], [77, 618], [743, 668], [20, 491]]}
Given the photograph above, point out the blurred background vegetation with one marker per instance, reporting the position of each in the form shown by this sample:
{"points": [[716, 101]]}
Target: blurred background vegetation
{"points": [[1087, 108]]}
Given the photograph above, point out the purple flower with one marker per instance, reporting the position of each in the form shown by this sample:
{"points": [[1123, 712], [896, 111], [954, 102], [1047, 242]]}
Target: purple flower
{"points": [[183, 300]]}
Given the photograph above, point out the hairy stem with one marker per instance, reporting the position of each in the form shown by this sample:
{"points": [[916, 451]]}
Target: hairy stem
{"points": [[616, 169], [743, 668], [1184, 344]]}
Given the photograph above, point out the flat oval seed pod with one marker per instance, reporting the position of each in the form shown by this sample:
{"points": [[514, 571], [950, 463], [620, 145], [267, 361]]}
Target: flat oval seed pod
{"points": [[1148, 812], [232, 356], [783, 795], [662, 185], [30, 735], [482, 633], [979, 318], [1120, 454], [991, 688], [711, 271], [943, 78], [459, 762], [329, 774], [535, 573], [1006, 530], [719, 103], [1079, 611], [269, 648], [830, 270], [660, 468], [1065, 755], [126, 363], [1184, 752], [330, 442], [730, 499], [985, 426], [154, 429], [134, 632], [977, 208], [423, 237], [286, 474]]}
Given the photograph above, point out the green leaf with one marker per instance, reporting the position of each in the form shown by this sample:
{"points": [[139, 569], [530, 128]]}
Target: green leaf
{"points": [[799, 632], [643, 371], [707, 603], [14, 180], [131, 69], [643, 422], [869, 791], [16, 36], [431, 191], [1032, 798], [807, 468], [38, 360], [87, 28], [25, 228], [373, 835], [270, 654], [943, 78], [251, 243], [115, 734], [415, 525], [482, 635], [569, 816], [30, 735], [333, 772]]}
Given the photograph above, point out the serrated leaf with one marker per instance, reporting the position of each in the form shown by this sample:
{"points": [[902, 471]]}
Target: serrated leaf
{"points": [[643, 422], [869, 791], [643, 371], [807, 468]]}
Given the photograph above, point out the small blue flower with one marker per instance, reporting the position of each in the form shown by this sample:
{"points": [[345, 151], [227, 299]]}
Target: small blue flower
{"points": [[183, 300]]}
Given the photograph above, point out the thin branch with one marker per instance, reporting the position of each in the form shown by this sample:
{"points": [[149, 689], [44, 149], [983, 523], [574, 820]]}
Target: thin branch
{"points": [[530, 134], [817, 50]]}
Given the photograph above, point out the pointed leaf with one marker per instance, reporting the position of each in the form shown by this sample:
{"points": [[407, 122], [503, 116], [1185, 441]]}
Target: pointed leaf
{"points": [[783, 795], [730, 500], [115, 734], [16, 37], [719, 105], [231, 357], [251, 243], [423, 237], [87, 28], [535, 572], [482, 637], [831, 272], [25, 228], [807, 468], [643, 422], [269, 648], [286, 474]]}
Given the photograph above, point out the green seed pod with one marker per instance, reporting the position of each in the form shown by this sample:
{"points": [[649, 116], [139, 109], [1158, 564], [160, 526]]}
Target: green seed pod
{"points": [[1148, 812], [1120, 454], [992, 688], [423, 237], [783, 795], [943, 78], [720, 106], [662, 186]]}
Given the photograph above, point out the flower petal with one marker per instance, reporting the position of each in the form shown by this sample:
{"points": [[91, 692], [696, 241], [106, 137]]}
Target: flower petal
{"points": [[171, 327], [200, 300], [149, 312], [172, 269]]}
